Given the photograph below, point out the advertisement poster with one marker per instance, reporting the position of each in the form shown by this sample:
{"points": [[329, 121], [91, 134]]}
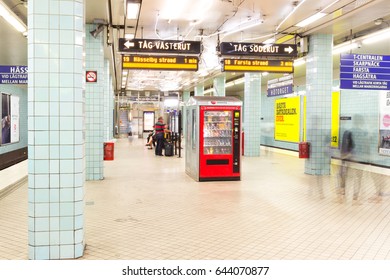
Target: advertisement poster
{"points": [[335, 119], [14, 119], [5, 118], [148, 121], [287, 122], [384, 123]]}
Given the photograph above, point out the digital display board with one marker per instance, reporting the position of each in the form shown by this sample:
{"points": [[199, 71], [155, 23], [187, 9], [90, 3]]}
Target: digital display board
{"points": [[156, 62], [258, 65]]}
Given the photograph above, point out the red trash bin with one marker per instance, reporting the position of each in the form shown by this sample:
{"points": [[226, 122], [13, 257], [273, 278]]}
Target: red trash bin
{"points": [[108, 151], [304, 150]]}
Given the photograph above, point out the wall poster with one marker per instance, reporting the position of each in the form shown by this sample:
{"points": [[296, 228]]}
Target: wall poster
{"points": [[148, 121], [287, 119], [9, 119], [384, 123]]}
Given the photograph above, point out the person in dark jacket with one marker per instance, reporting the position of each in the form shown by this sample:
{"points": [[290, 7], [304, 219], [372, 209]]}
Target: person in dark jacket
{"points": [[160, 129]]}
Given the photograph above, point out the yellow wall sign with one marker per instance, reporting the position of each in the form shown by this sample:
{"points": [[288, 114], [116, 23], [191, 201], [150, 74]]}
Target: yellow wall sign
{"points": [[258, 65], [335, 125], [335, 119], [287, 119], [156, 62]]}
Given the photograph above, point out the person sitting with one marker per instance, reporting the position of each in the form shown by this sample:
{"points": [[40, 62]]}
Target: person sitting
{"points": [[151, 140]]}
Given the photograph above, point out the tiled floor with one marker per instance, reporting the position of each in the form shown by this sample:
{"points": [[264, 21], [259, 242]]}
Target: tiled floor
{"points": [[148, 208]]}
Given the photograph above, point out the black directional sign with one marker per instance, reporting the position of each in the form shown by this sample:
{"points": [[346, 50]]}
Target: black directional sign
{"points": [[254, 49], [159, 46]]}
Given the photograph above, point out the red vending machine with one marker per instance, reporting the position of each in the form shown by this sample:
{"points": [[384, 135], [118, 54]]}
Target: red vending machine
{"points": [[213, 140]]}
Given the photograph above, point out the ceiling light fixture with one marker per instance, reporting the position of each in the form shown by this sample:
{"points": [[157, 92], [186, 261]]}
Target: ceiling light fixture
{"points": [[311, 19], [133, 8], [345, 47], [12, 18], [376, 36], [243, 26], [290, 14]]}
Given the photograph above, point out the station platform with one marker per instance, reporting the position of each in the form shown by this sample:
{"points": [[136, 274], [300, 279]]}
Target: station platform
{"points": [[147, 208]]}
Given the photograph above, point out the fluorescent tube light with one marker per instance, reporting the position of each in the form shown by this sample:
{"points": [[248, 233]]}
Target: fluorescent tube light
{"points": [[243, 26], [344, 47], [310, 20], [12, 19], [299, 61], [133, 8], [376, 36]]}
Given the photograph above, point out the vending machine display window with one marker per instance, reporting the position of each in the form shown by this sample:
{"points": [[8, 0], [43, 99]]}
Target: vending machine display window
{"points": [[217, 132]]}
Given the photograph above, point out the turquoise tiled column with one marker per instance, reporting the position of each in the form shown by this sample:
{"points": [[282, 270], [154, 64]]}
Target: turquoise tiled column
{"points": [[107, 100], [219, 85], [55, 131], [186, 97], [252, 114], [94, 99], [111, 104], [199, 90], [319, 103]]}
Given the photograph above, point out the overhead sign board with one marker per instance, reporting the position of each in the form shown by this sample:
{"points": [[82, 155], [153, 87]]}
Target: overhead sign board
{"points": [[159, 46], [365, 71], [258, 65], [255, 49], [13, 74], [156, 62]]}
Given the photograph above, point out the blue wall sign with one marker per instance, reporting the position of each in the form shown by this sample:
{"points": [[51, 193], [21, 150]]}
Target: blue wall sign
{"points": [[276, 91], [13, 74], [365, 71]]}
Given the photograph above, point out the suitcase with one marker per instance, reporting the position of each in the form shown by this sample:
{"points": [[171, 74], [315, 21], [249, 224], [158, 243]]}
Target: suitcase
{"points": [[168, 149]]}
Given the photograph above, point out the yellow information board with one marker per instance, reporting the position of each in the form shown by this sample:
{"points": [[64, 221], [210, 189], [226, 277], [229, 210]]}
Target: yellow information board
{"points": [[287, 119], [258, 65], [157, 62]]}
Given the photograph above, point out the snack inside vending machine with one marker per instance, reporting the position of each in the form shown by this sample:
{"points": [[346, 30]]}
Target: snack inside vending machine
{"points": [[213, 138]]}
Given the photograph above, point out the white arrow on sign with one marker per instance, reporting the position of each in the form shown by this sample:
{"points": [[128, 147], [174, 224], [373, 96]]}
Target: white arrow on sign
{"points": [[128, 44], [289, 49]]}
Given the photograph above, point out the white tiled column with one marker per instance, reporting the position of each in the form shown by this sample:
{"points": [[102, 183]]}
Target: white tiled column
{"points": [[319, 103], [199, 90], [252, 114], [219, 85], [186, 97], [55, 132], [94, 100]]}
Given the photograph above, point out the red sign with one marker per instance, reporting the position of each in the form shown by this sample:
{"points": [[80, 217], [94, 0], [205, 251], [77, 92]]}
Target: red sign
{"points": [[91, 76]]}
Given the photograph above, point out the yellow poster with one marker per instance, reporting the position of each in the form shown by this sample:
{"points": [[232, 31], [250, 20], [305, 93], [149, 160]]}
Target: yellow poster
{"points": [[335, 119], [287, 122]]}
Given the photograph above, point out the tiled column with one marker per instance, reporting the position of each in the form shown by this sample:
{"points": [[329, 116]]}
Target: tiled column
{"points": [[107, 100], [199, 90], [111, 104], [55, 131], [186, 97], [252, 114], [94, 100], [219, 85], [318, 103]]}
